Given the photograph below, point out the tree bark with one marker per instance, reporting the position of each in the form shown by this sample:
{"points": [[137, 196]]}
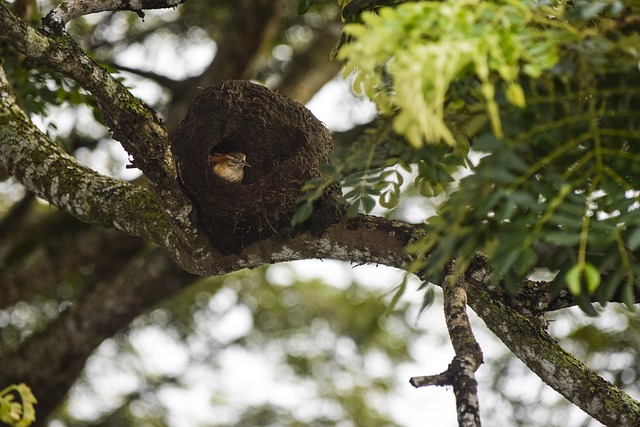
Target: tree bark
{"points": [[556, 367], [460, 373], [59, 16]]}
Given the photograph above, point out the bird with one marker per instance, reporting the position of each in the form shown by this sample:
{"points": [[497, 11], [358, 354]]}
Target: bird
{"points": [[229, 166]]}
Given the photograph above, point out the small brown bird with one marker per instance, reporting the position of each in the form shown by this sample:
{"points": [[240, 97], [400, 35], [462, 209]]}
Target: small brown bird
{"points": [[229, 166]]}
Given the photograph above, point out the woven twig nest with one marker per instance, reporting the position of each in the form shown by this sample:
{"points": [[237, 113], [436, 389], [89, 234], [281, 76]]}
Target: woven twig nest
{"points": [[284, 144]]}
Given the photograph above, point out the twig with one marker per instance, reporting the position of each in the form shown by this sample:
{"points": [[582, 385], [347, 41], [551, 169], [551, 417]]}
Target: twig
{"points": [[56, 20]]}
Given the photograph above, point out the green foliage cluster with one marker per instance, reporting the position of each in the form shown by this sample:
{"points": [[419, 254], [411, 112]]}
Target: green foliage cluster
{"points": [[16, 405], [38, 89], [558, 86], [405, 58], [321, 337], [372, 170]]}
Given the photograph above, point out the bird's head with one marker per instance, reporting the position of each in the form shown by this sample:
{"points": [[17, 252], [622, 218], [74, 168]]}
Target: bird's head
{"points": [[229, 166]]}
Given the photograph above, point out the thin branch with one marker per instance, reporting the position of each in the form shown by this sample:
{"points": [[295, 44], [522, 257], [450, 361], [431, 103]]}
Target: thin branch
{"points": [[56, 20], [468, 356], [442, 380], [164, 81]]}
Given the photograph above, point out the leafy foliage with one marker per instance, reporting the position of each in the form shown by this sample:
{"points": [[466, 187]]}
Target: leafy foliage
{"points": [[567, 179], [372, 170], [559, 88], [406, 58]]}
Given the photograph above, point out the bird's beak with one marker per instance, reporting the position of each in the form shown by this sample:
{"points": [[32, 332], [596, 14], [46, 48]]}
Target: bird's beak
{"points": [[244, 163]]}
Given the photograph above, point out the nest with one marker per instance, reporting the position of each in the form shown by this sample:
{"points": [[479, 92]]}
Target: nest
{"points": [[284, 144]]}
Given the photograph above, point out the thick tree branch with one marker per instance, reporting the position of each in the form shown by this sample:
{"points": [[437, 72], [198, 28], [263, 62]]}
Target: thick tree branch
{"points": [[139, 130], [36, 258], [57, 19], [63, 348], [57, 177], [60, 351], [361, 240], [555, 366], [133, 123]]}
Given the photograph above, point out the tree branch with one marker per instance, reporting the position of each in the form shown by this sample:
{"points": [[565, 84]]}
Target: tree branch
{"points": [[57, 19], [61, 350], [135, 125], [311, 69], [244, 35], [57, 177], [555, 366], [132, 122], [468, 355]]}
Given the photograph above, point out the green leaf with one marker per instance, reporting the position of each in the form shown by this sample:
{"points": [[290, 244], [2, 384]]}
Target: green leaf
{"points": [[500, 175], [353, 210], [633, 241], [302, 214], [428, 299], [562, 238], [372, 191], [628, 297], [505, 261], [592, 277], [573, 280], [526, 261], [303, 6], [607, 290], [515, 95], [352, 194], [368, 203], [399, 292], [327, 168], [585, 304], [488, 143], [389, 199]]}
